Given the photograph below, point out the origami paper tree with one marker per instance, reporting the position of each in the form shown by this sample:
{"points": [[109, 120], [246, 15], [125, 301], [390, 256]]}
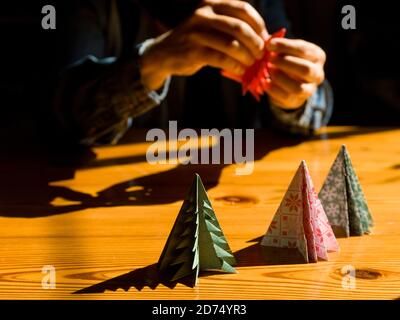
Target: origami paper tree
{"points": [[256, 78], [196, 242], [343, 199], [300, 221]]}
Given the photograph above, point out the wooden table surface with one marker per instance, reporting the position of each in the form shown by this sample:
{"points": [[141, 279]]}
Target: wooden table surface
{"points": [[102, 224]]}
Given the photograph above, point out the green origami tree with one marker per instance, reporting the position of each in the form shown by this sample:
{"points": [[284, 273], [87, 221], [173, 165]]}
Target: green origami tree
{"points": [[343, 199], [196, 242]]}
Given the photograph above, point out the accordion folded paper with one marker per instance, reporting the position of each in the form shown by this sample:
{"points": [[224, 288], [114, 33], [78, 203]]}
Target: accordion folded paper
{"points": [[196, 242], [256, 78], [300, 221], [343, 199]]}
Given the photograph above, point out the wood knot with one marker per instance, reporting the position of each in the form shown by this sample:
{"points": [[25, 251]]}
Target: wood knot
{"points": [[359, 273], [368, 274], [237, 200]]}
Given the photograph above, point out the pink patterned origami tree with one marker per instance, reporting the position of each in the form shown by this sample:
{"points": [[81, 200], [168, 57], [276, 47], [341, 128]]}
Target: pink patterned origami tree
{"points": [[300, 221]]}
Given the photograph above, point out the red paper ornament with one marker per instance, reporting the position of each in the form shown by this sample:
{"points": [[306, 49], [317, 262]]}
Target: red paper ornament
{"points": [[256, 78]]}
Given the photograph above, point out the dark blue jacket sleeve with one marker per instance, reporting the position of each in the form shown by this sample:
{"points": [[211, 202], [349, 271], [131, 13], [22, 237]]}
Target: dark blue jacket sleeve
{"points": [[99, 92]]}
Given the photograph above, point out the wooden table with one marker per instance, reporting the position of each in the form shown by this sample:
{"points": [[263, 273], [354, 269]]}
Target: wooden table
{"points": [[102, 224]]}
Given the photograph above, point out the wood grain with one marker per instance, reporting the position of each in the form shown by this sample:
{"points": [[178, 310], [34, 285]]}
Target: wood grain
{"points": [[103, 224]]}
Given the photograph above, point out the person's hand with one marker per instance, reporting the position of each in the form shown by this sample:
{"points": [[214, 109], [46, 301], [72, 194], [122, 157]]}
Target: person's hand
{"points": [[297, 70], [226, 34]]}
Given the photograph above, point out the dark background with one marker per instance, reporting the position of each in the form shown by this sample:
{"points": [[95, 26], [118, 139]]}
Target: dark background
{"points": [[362, 64]]}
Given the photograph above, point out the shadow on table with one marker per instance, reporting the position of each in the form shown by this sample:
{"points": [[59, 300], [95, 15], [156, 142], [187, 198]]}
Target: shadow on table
{"points": [[351, 131], [258, 255], [254, 255], [138, 279], [26, 190]]}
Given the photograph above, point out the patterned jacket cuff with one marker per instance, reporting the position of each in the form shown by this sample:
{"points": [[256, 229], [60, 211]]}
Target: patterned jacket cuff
{"points": [[159, 95], [119, 98], [314, 114]]}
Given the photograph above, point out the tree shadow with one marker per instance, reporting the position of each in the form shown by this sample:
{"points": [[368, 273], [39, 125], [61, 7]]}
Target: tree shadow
{"points": [[257, 255], [149, 276], [140, 278], [251, 256]]}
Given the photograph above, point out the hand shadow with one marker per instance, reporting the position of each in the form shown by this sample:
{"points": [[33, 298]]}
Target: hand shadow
{"points": [[26, 190]]}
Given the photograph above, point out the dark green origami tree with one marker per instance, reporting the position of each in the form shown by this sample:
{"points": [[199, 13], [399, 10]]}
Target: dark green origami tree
{"points": [[343, 199], [196, 242]]}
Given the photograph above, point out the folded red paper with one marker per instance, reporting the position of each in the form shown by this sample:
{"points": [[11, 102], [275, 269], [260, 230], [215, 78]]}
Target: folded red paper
{"points": [[256, 78]]}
